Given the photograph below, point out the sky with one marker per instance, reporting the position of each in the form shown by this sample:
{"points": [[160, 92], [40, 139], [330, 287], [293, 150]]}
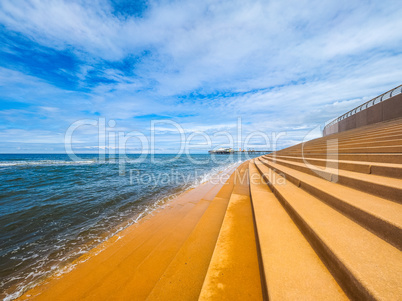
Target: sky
{"points": [[188, 70]]}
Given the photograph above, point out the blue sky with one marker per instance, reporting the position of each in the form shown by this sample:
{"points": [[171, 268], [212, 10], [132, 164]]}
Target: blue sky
{"points": [[280, 66]]}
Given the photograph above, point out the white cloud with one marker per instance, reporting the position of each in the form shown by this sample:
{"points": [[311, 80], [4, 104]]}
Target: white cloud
{"points": [[285, 65]]}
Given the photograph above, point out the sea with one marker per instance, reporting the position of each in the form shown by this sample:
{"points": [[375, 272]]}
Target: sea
{"points": [[54, 208]]}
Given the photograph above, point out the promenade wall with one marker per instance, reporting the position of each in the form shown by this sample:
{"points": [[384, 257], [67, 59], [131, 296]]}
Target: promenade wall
{"points": [[383, 111]]}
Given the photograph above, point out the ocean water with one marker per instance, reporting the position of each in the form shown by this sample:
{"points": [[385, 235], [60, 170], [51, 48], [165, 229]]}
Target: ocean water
{"points": [[53, 209]]}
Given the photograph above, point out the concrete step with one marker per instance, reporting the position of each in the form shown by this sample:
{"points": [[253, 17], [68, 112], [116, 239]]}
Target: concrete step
{"points": [[391, 125], [381, 216], [389, 188], [363, 134], [362, 139], [347, 142], [375, 158], [378, 133], [353, 144], [341, 139], [186, 273], [351, 140], [365, 266], [93, 282], [291, 268], [233, 273], [349, 149], [134, 278], [381, 169]]}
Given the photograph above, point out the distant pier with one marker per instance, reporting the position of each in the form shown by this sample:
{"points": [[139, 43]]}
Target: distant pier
{"points": [[228, 151]]}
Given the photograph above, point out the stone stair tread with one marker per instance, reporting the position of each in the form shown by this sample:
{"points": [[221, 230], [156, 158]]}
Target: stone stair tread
{"points": [[234, 267], [388, 133], [366, 149], [369, 178], [368, 138], [391, 125], [134, 277], [94, 271], [386, 187], [380, 207], [393, 170], [374, 141], [374, 265], [379, 215], [375, 158], [186, 272], [293, 271], [365, 163]]}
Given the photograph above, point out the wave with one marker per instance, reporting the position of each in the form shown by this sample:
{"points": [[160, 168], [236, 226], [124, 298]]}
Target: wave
{"points": [[45, 163], [69, 261], [216, 172], [47, 265]]}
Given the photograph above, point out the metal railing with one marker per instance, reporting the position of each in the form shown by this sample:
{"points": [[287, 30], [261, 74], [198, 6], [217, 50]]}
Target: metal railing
{"points": [[370, 103]]}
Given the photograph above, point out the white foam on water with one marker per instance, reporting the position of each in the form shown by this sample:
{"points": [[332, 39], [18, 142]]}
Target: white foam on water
{"points": [[214, 174], [59, 268], [45, 162]]}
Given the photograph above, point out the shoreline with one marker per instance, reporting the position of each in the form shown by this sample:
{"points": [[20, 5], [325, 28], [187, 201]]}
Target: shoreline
{"points": [[161, 213]]}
